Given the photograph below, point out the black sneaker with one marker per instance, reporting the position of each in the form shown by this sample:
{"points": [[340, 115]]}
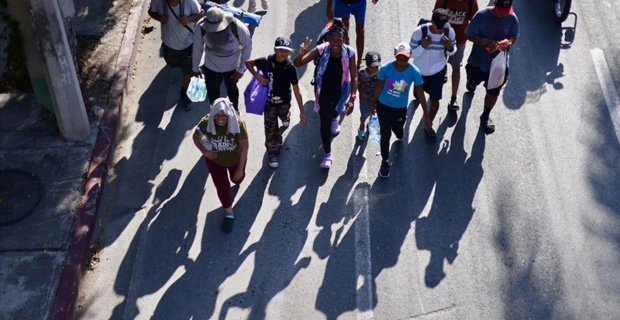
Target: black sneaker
{"points": [[453, 106], [487, 125], [227, 224], [384, 171], [469, 87], [185, 102], [431, 136]]}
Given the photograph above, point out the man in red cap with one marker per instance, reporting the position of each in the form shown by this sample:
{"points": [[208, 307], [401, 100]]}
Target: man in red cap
{"points": [[492, 30]]}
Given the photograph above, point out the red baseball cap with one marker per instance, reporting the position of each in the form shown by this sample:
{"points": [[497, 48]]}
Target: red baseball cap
{"points": [[503, 7]]}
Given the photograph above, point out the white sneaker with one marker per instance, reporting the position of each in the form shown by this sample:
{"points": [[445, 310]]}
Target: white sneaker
{"points": [[264, 4], [252, 6]]}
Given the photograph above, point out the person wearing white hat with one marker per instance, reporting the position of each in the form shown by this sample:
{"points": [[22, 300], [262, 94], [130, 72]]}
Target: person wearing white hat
{"points": [[222, 138], [222, 45]]}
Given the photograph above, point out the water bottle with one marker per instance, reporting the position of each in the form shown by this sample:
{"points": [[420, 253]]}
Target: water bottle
{"points": [[204, 140], [374, 131]]}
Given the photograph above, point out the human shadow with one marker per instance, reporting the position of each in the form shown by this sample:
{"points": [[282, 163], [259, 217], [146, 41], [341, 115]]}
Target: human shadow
{"points": [[309, 23], [451, 209], [161, 243], [534, 59], [390, 206]]}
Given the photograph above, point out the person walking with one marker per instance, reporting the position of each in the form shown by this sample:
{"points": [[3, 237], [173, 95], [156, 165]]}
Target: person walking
{"points": [[226, 44], [391, 98], [492, 29], [335, 80], [281, 75], [431, 43], [177, 18], [252, 5], [461, 12], [344, 9], [368, 77], [222, 138]]}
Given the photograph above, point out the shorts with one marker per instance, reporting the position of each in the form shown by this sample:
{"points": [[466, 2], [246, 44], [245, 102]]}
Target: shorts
{"points": [[433, 85], [475, 76], [456, 60], [179, 59], [365, 109], [358, 10]]}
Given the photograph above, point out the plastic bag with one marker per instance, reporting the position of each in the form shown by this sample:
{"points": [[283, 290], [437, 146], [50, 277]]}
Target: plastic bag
{"points": [[497, 74], [255, 95], [197, 89], [374, 131]]}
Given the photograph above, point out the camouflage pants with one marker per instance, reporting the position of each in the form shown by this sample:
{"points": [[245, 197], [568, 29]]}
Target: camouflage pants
{"points": [[273, 138]]}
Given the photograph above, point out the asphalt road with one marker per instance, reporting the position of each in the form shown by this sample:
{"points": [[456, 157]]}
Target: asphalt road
{"points": [[520, 224]]}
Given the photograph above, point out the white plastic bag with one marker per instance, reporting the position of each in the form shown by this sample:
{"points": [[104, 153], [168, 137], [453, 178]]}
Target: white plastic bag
{"points": [[197, 89], [497, 74]]}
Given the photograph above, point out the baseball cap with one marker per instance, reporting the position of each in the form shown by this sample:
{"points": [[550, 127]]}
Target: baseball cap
{"points": [[503, 7], [283, 43], [373, 59], [440, 18], [402, 48]]}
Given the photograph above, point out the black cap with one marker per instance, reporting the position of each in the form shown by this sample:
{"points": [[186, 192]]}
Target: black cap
{"points": [[441, 17], [284, 43], [373, 59]]}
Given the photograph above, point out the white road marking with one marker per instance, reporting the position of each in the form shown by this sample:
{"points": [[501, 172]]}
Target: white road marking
{"points": [[363, 269], [607, 85]]}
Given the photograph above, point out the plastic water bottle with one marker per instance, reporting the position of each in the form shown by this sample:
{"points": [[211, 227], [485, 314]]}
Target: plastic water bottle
{"points": [[204, 140], [374, 131]]}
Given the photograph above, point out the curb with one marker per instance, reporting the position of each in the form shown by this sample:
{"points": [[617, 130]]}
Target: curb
{"points": [[68, 288]]}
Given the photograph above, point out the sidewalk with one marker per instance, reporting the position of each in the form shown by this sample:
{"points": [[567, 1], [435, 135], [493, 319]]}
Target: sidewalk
{"points": [[50, 188]]}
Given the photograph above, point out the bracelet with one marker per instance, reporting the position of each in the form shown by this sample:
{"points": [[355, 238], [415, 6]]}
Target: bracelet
{"points": [[353, 96]]}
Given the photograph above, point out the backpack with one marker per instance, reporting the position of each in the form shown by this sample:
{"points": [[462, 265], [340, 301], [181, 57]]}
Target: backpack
{"points": [[470, 3]]}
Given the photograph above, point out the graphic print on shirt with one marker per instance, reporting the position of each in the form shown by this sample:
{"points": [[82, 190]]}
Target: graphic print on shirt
{"points": [[457, 16], [224, 143], [396, 88]]}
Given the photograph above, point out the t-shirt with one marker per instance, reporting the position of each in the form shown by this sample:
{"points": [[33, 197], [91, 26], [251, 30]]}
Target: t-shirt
{"points": [[226, 144], [281, 76], [173, 33], [486, 25], [431, 59], [222, 51], [459, 16], [332, 78], [367, 82], [395, 91]]}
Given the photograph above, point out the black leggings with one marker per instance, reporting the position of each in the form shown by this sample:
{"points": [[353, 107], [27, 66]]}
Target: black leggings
{"points": [[390, 120], [327, 112], [213, 80]]}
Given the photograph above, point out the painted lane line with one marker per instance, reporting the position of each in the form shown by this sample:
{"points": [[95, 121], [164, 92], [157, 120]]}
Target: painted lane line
{"points": [[609, 90], [363, 260]]}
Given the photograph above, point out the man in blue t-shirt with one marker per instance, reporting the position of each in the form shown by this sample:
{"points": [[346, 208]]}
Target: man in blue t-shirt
{"points": [[492, 30]]}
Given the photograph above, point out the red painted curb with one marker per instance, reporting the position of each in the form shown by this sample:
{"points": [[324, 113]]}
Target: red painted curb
{"points": [[68, 288]]}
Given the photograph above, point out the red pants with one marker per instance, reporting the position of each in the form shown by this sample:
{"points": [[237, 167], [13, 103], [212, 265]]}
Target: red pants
{"points": [[222, 181]]}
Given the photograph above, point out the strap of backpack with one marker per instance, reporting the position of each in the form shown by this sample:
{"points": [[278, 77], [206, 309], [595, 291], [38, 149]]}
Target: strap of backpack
{"points": [[175, 15], [233, 28]]}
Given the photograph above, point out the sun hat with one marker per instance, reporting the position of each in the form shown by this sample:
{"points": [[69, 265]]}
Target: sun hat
{"points": [[217, 20]]}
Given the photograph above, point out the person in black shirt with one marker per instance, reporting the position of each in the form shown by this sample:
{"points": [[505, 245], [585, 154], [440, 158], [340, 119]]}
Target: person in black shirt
{"points": [[281, 75]]}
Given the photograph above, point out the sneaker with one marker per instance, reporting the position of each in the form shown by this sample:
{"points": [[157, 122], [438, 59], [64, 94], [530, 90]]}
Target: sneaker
{"points": [[265, 4], [487, 125], [469, 87], [327, 161], [185, 102], [273, 161], [252, 6], [335, 126], [286, 122], [227, 224], [453, 106], [431, 136], [361, 135], [384, 171]]}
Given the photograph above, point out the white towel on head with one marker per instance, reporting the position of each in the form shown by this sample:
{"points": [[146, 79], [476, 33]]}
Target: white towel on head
{"points": [[219, 105]]}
